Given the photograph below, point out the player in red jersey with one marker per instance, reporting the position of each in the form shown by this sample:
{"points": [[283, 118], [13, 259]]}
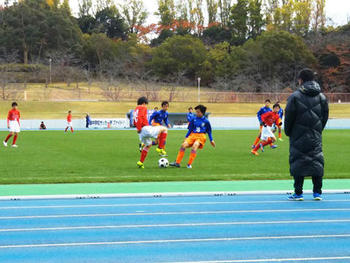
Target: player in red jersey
{"points": [[146, 132], [69, 122], [267, 137], [13, 124]]}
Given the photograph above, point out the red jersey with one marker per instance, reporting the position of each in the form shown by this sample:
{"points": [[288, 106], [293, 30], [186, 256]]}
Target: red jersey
{"points": [[13, 115], [270, 118], [140, 117], [69, 118]]}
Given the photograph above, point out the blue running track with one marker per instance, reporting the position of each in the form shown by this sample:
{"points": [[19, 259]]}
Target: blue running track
{"points": [[250, 228]]}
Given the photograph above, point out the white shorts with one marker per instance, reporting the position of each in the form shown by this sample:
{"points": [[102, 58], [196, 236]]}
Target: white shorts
{"points": [[148, 133], [14, 126], [266, 133], [69, 124]]}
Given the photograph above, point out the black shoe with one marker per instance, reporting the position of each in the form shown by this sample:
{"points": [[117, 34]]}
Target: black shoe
{"points": [[174, 164], [140, 147]]}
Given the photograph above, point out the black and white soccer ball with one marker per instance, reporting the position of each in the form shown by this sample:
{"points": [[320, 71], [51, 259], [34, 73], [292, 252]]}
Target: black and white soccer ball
{"points": [[163, 163]]}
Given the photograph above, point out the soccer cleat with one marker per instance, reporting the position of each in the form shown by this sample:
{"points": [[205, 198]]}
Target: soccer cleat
{"points": [[161, 152], [14, 146], [317, 197], [255, 153], [140, 165], [274, 146], [189, 166], [261, 147], [174, 164], [295, 197], [5, 143], [253, 146]]}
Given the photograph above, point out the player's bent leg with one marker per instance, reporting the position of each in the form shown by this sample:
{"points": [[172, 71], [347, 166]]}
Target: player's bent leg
{"points": [[15, 140], [162, 135], [144, 153], [180, 155], [256, 140], [193, 154], [8, 138]]}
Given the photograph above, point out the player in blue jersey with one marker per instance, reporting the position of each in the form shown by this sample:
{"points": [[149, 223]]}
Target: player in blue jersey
{"points": [[195, 137], [262, 111], [190, 115], [158, 117]]}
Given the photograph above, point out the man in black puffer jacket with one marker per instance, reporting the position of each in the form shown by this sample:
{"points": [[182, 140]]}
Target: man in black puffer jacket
{"points": [[306, 117]]}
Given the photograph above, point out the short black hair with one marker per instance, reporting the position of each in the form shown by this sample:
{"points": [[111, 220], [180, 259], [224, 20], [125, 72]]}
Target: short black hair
{"points": [[276, 105], [268, 100], [69, 111], [306, 75], [165, 103], [14, 104], [202, 108], [142, 100]]}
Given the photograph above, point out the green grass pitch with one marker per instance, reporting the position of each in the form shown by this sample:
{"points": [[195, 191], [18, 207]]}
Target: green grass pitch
{"points": [[111, 156]]}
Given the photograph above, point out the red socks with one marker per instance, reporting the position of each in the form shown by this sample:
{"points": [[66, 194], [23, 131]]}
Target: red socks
{"points": [[162, 140], [144, 154], [264, 143], [15, 139], [8, 137]]}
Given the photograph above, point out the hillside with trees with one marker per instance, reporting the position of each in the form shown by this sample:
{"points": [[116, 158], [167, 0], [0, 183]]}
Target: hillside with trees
{"points": [[241, 45]]}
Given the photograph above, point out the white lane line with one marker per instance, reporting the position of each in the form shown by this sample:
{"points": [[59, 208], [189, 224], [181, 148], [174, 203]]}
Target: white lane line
{"points": [[267, 260], [161, 204], [177, 213], [173, 241], [174, 225]]}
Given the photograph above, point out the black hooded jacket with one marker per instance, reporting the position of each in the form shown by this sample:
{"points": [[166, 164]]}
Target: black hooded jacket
{"points": [[306, 116]]}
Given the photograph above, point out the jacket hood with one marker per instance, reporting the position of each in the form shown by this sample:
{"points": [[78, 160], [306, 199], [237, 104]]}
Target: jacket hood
{"points": [[310, 88]]}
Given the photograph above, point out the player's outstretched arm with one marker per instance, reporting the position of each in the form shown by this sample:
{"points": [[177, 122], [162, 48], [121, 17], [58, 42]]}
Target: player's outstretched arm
{"points": [[213, 144]]}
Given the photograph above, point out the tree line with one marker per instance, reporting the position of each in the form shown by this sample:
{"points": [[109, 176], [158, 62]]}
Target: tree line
{"points": [[243, 45]]}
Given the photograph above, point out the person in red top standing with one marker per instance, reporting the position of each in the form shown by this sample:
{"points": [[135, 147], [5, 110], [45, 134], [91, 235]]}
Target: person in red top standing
{"points": [[13, 124], [69, 122], [146, 132], [267, 137]]}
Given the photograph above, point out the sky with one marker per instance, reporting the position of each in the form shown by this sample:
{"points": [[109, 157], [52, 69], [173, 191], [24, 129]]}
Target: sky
{"points": [[338, 11]]}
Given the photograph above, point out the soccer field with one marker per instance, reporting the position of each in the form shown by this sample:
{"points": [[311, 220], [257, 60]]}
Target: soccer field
{"points": [[111, 156]]}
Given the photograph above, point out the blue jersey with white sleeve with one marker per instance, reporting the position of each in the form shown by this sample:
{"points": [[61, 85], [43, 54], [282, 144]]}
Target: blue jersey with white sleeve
{"points": [[159, 117], [280, 113], [200, 125], [190, 116], [262, 111]]}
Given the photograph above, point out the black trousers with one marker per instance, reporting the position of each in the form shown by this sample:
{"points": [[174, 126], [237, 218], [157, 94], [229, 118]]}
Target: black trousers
{"points": [[299, 183]]}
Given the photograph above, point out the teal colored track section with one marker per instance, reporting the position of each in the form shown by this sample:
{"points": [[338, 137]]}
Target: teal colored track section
{"points": [[253, 228], [163, 187]]}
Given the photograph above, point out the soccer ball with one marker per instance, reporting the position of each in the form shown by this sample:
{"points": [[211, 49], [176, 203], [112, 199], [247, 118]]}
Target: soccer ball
{"points": [[163, 163]]}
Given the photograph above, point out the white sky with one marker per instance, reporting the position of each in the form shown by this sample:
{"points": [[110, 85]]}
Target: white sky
{"points": [[338, 11]]}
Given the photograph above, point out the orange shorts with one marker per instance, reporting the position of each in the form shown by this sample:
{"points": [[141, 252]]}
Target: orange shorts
{"points": [[194, 137]]}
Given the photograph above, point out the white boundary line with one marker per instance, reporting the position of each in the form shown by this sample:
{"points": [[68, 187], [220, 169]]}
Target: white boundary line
{"points": [[176, 213], [169, 194], [173, 241], [174, 225], [161, 204], [267, 260]]}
